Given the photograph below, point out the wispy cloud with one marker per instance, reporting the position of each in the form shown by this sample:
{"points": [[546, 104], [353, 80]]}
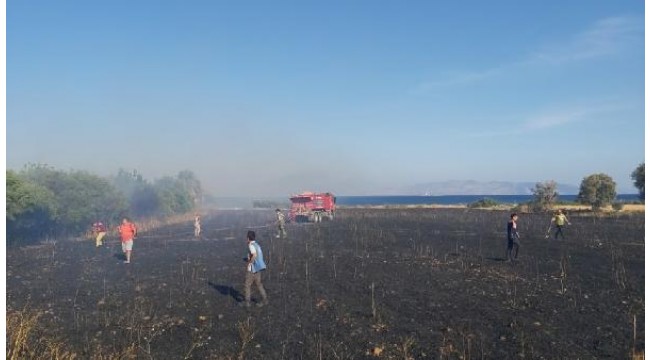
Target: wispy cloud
{"points": [[553, 119], [605, 37], [461, 78]]}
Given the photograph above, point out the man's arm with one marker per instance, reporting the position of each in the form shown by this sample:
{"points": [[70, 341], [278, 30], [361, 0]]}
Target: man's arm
{"points": [[252, 254]]}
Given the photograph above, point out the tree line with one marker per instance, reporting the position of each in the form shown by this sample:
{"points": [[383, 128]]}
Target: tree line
{"points": [[596, 190], [44, 202]]}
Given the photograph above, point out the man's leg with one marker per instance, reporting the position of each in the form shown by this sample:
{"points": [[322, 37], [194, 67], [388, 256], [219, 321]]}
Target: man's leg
{"points": [[128, 247], [516, 249], [258, 281], [98, 239], [509, 251]]}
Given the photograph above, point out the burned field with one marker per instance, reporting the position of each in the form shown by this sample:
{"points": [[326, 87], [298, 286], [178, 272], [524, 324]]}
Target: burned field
{"points": [[376, 283]]}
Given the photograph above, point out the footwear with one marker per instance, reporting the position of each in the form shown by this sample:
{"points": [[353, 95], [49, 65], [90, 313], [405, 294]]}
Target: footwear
{"points": [[277, 236], [245, 304], [127, 262], [261, 304]]}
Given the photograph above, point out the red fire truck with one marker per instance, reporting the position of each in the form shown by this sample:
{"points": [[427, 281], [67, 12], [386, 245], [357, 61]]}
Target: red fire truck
{"points": [[312, 207]]}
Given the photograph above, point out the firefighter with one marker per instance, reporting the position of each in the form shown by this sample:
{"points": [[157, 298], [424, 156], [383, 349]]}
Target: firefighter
{"points": [[99, 230], [282, 232]]}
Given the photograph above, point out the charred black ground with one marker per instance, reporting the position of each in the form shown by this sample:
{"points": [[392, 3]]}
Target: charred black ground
{"points": [[393, 283]]}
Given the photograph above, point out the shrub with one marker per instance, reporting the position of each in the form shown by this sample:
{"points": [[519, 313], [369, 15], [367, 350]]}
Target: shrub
{"points": [[483, 203], [597, 190], [544, 195], [617, 206]]}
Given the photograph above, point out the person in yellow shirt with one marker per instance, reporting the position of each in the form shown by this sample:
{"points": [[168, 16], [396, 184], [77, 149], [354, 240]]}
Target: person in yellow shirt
{"points": [[99, 229], [559, 220]]}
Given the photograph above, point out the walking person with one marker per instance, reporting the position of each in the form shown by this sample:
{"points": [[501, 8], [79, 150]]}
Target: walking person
{"points": [[559, 220], [197, 226], [513, 238], [282, 232], [254, 267], [99, 229], [128, 232]]}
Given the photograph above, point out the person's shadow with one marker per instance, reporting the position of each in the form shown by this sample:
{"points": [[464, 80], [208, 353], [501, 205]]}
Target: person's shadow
{"points": [[120, 256], [227, 291], [498, 259]]}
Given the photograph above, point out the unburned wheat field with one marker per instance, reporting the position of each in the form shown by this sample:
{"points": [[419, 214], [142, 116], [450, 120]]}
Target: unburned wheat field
{"points": [[373, 283]]}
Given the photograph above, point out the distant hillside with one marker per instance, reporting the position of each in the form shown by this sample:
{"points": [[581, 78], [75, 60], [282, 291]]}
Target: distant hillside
{"points": [[471, 187]]}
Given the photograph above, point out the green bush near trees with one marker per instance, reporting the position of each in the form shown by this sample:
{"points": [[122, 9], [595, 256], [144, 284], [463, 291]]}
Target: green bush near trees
{"points": [[597, 190], [544, 196], [483, 203]]}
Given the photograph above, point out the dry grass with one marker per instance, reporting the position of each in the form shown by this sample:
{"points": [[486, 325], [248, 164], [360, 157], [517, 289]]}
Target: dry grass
{"points": [[571, 207], [20, 329], [634, 207], [626, 208], [25, 339], [246, 335]]}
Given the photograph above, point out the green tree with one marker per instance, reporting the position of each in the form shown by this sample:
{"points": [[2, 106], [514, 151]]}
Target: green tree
{"points": [[31, 210], [597, 190], [638, 175], [544, 195], [173, 196], [166, 196], [141, 195], [80, 197], [192, 185]]}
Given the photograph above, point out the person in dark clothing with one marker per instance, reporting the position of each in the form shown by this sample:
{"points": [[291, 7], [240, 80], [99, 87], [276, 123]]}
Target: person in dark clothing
{"points": [[513, 238]]}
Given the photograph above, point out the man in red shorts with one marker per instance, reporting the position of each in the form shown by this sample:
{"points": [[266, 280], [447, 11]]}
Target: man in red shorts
{"points": [[128, 232]]}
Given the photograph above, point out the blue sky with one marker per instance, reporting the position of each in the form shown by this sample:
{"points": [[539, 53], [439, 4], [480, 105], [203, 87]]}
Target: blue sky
{"points": [[355, 97]]}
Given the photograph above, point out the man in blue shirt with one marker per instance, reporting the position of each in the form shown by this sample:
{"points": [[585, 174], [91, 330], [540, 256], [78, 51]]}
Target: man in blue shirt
{"points": [[254, 267]]}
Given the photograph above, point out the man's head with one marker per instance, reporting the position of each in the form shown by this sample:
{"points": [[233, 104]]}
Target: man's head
{"points": [[250, 236], [514, 216], [277, 210], [125, 220]]}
